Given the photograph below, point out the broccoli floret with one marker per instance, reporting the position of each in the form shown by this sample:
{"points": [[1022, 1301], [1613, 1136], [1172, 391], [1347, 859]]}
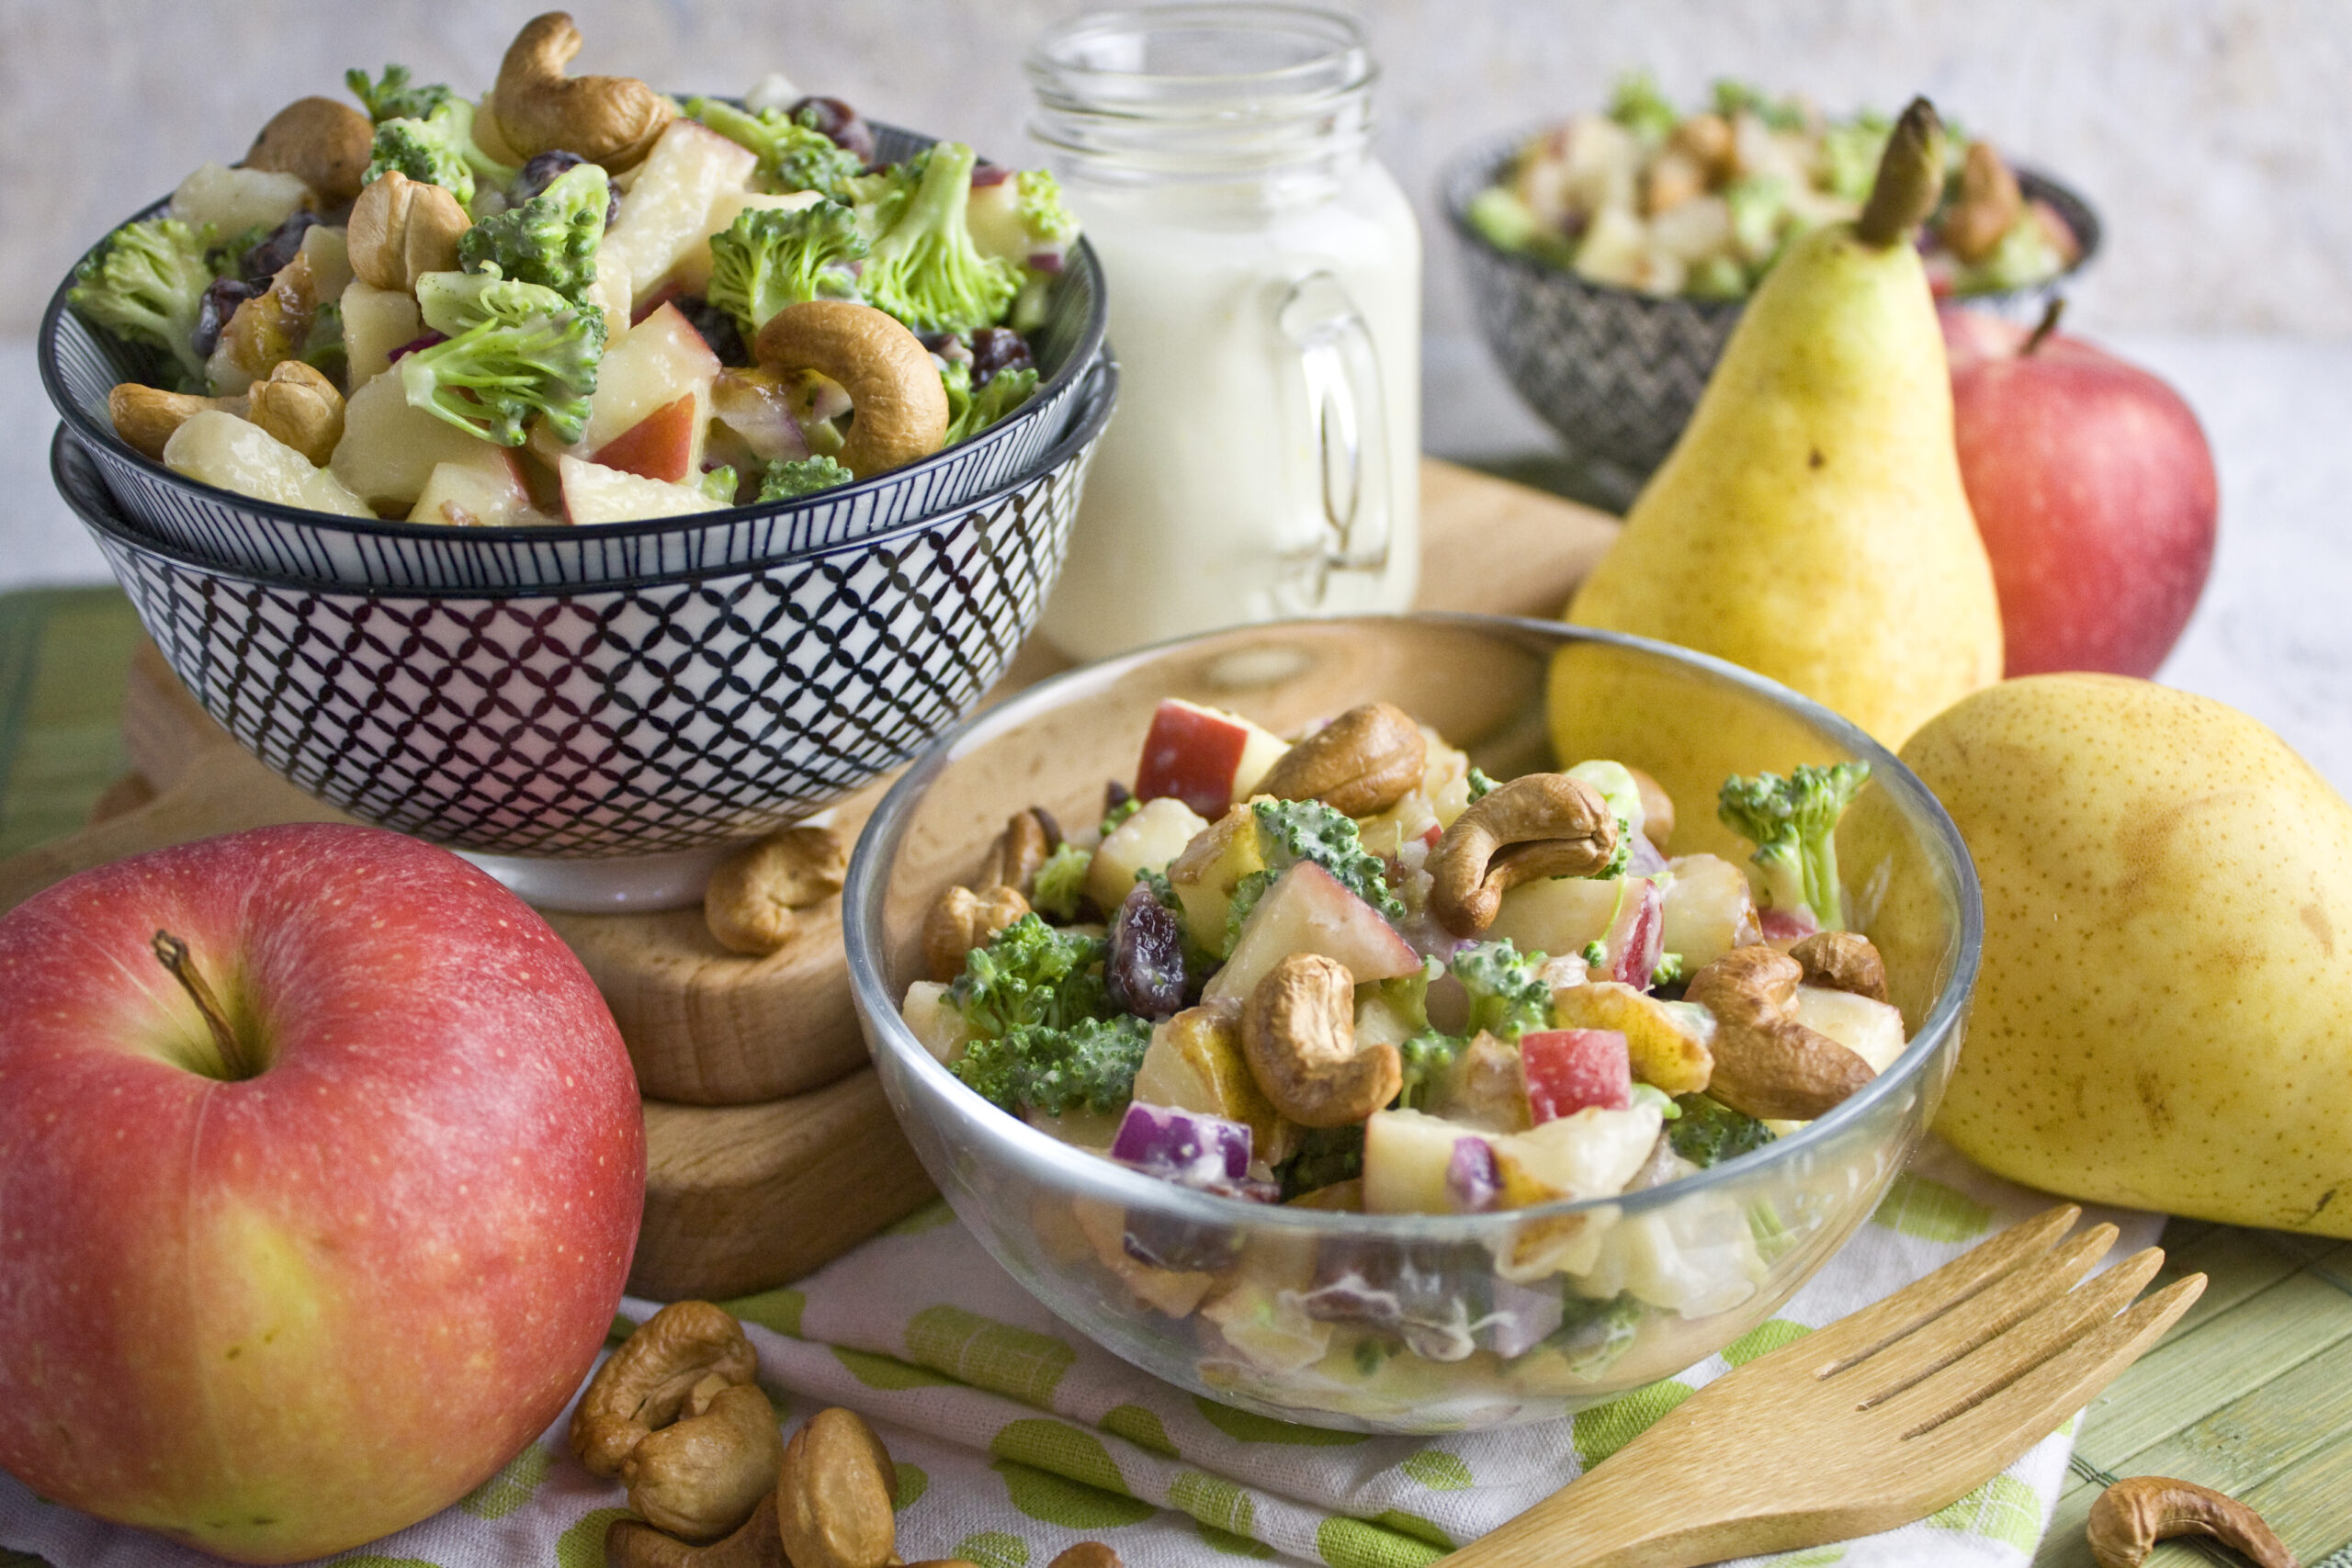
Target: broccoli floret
{"points": [[550, 239], [1593, 1333], [1091, 1063], [1428, 1057], [439, 150], [1244, 902], [323, 349], [1293, 830], [1116, 815], [1022, 219], [1850, 155], [1707, 1132], [1031, 974], [1794, 824], [790, 479], [792, 156], [1669, 971], [1637, 105], [924, 268], [393, 97], [1060, 883], [1480, 784], [769, 259], [1758, 205], [719, 484], [969, 413], [146, 284], [1615, 783], [1739, 98], [518, 348], [1508, 997], [1325, 1156]]}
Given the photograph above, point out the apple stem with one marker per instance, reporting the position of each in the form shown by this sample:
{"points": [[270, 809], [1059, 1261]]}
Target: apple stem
{"points": [[173, 955], [1910, 178], [2049, 324]]}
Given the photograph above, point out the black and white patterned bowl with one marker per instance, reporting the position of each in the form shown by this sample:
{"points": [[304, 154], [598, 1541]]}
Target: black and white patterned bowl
{"points": [[1616, 372], [79, 366], [631, 719]]}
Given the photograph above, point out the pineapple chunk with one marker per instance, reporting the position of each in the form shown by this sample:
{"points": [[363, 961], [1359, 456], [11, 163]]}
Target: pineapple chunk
{"points": [[216, 447], [1147, 840], [1194, 1062], [1670, 1042], [376, 322], [1707, 909], [1873, 1031], [1211, 867]]}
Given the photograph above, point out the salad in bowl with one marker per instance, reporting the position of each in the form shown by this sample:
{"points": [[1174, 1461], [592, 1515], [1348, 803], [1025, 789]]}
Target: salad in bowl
{"points": [[574, 300]]}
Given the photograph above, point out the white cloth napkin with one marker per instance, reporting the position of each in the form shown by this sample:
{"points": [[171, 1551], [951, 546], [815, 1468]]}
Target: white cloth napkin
{"points": [[1015, 1437]]}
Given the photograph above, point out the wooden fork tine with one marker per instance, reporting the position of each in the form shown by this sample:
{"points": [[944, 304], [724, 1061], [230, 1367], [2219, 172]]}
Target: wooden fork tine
{"points": [[1991, 1311], [1854, 1336], [2005, 1359], [2005, 1425]]}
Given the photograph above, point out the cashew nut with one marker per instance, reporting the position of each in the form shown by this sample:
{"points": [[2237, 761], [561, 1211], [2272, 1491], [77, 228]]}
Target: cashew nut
{"points": [[1767, 1064], [1298, 1035], [145, 417], [633, 1543], [702, 1475], [1087, 1554], [902, 407], [648, 1380], [325, 144], [752, 899], [300, 407], [1028, 837], [2132, 1516], [1842, 961], [1989, 203], [962, 920], [612, 120], [1536, 824], [1361, 762], [1658, 809], [402, 229], [834, 1493]]}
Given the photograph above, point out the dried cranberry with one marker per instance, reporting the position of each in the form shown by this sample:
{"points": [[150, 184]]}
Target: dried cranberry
{"points": [[985, 173], [275, 251], [949, 346], [1145, 972], [416, 344], [212, 312], [839, 124], [717, 327], [998, 348]]}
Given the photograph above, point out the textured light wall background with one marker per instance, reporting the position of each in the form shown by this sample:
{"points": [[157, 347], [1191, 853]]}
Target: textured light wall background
{"points": [[2213, 135]]}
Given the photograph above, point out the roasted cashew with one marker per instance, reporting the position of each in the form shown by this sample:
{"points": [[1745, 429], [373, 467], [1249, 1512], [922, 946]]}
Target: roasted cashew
{"points": [[1087, 1554], [612, 120], [962, 920], [1536, 824], [269, 328], [145, 417], [701, 1476], [325, 144], [2132, 1516], [1767, 1064], [633, 1543], [300, 407], [753, 896], [1298, 1035], [402, 229], [1361, 762], [902, 407], [835, 1495], [648, 1380], [1028, 837], [1989, 203], [1658, 809], [1842, 961]]}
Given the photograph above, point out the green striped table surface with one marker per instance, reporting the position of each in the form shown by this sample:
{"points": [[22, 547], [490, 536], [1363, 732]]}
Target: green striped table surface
{"points": [[2252, 1393]]}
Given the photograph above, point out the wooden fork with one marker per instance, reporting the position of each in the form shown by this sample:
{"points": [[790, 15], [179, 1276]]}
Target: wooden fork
{"points": [[1879, 1419]]}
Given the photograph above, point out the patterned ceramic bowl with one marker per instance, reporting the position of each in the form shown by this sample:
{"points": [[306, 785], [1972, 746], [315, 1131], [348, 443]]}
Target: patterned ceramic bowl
{"points": [[79, 366], [1615, 371], [631, 719]]}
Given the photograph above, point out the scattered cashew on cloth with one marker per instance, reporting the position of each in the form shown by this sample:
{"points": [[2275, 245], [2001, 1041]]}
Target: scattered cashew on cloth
{"points": [[1015, 1438]]}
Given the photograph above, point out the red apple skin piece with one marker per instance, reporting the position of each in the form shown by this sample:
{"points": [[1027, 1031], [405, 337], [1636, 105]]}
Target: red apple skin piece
{"points": [[2094, 489], [1636, 938], [278, 1317], [1192, 753], [659, 446], [1568, 1070]]}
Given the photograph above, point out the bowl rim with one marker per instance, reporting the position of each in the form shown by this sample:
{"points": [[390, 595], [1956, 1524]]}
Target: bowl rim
{"points": [[1472, 169], [867, 881], [67, 449], [1089, 347]]}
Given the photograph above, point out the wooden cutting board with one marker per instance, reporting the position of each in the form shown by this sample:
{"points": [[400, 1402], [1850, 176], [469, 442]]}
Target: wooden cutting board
{"points": [[770, 1147]]}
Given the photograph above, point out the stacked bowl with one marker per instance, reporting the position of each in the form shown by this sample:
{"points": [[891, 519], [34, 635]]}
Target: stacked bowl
{"points": [[594, 697]]}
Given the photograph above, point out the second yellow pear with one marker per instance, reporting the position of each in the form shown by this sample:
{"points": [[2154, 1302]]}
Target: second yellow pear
{"points": [[1810, 524]]}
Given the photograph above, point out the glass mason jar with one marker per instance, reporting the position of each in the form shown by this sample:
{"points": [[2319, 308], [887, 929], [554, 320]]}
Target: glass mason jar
{"points": [[1265, 286]]}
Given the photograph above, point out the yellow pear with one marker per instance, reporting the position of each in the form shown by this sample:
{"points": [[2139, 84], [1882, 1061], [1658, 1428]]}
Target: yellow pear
{"points": [[2163, 1018], [1810, 524]]}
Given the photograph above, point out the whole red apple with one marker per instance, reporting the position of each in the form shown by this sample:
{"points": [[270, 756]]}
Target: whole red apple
{"points": [[2094, 492], [321, 1166]]}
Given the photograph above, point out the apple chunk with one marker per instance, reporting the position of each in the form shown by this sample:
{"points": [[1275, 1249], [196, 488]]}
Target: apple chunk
{"points": [[667, 210], [1306, 910], [1568, 1070], [484, 488], [661, 360], [1205, 757], [659, 446], [593, 493]]}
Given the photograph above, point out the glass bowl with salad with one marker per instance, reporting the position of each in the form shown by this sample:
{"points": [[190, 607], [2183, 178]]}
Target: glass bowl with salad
{"points": [[1609, 253], [1287, 1014], [571, 330]]}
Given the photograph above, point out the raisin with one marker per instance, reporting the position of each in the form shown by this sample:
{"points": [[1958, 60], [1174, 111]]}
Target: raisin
{"points": [[1145, 972]]}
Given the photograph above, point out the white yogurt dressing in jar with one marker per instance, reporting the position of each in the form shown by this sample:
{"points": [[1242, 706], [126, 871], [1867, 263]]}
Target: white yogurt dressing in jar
{"points": [[1264, 282]]}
